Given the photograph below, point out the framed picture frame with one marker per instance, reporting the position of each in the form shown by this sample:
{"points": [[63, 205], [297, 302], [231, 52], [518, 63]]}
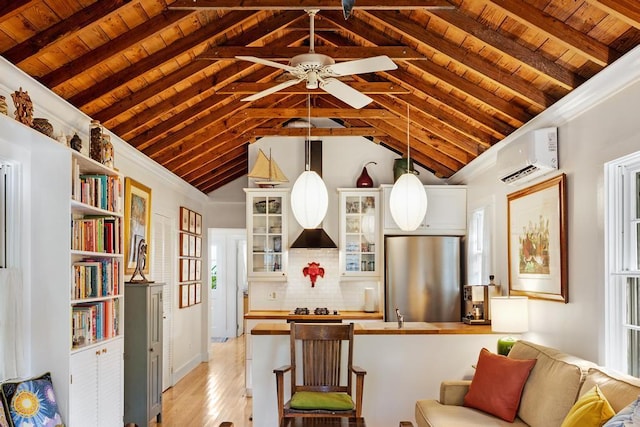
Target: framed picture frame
{"points": [[192, 222], [198, 247], [192, 245], [192, 269], [184, 296], [137, 223], [198, 270], [198, 224], [192, 293], [184, 270], [537, 241], [184, 219], [198, 293], [184, 244]]}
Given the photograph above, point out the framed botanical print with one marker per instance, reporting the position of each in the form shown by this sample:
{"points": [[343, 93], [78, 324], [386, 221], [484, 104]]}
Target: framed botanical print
{"points": [[184, 270], [192, 269], [537, 241], [192, 222], [137, 224], [198, 270], [192, 245], [198, 246], [184, 219], [198, 224], [184, 296], [198, 293], [184, 244], [192, 293]]}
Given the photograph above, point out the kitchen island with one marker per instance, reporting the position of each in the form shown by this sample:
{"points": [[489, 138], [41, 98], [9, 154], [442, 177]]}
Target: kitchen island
{"points": [[403, 365]]}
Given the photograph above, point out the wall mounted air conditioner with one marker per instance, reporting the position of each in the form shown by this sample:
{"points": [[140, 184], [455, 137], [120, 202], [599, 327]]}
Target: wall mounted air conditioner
{"points": [[529, 157]]}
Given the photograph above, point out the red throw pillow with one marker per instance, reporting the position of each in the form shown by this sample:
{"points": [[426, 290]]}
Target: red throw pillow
{"points": [[497, 384]]}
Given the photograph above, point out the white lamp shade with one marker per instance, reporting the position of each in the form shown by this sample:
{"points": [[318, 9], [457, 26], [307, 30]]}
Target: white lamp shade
{"points": [[510, 314], [408, 202], [309, 199]]}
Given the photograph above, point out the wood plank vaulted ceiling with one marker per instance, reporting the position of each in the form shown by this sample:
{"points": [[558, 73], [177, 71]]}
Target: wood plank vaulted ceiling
{"points": [[163, 76]]}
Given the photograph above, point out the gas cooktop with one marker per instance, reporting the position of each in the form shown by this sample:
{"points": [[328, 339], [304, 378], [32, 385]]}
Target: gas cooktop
{"points": [[320, 311]]}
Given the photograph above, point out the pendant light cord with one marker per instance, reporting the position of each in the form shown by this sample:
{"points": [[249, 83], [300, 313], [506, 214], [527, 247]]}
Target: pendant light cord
{"points": [[408, 151], [308, 143]]}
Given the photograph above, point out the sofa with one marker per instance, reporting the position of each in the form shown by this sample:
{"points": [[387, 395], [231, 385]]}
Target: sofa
{"points": [[554, 383]]}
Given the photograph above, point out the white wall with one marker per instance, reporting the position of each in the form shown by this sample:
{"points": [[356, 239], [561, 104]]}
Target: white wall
{"points": [[169, 192], [592, 132]]}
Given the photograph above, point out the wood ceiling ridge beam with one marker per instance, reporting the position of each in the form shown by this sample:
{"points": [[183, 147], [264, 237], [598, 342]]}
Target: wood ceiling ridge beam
{"points": [[156, 59], [9, 9], [625, 10], [85, 17], [339, 53], [351, 131], [183, 73], [114, 47], [527, 57], [560, 32], [378, 88], [318, 112], [305, 4], [512, 83]]}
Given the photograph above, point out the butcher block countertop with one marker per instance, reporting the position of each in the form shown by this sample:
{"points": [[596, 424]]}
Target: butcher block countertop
{"points": [[288, 315], [389, 328]]}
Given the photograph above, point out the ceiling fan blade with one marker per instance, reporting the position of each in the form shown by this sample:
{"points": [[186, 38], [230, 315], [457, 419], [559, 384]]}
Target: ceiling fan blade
{"points": [[267, 62], [361, 66], [272, 89], [344, 92]]}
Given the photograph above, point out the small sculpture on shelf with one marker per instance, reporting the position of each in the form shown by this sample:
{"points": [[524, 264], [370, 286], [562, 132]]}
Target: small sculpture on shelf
{"points": [[24, 107], [141, 262], [76, 142], [4, 109]]}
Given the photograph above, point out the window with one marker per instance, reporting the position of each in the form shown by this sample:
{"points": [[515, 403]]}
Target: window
{"points": [[622, 216], [479, 248]]}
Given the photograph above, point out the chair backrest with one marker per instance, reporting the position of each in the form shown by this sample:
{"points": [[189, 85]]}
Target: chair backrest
{"points": [[316, 348]]}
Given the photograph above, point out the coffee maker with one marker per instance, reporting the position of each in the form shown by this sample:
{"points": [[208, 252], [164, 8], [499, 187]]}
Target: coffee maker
{"points": [[477, 300]]}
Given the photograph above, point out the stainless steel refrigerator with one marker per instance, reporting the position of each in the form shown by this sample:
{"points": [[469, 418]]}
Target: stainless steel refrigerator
{"points": [[423, 278]]}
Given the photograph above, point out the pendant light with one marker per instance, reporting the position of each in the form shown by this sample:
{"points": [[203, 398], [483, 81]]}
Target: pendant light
{"points": [[309, 197], [408, 198]]}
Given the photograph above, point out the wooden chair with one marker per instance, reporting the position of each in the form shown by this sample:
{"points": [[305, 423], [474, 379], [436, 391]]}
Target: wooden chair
{"points": [[316, 350]]}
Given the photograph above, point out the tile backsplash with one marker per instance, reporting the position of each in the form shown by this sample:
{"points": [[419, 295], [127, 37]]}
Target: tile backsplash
{"points": [[328, 292]]}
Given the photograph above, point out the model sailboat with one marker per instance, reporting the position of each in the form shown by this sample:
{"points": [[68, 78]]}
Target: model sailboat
{"points": [[267, 171]]}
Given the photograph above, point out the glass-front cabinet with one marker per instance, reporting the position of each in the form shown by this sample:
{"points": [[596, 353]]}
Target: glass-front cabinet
{"points": [[359, 232], [267, 233]]}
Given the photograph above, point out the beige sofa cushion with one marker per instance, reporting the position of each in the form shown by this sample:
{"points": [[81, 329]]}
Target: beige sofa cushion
{"points": [[620, 390], [553, 385], [431, 413]]}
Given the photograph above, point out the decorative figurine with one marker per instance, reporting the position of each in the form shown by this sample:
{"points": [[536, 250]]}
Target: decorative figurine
{"points": [[313, 270], [24, 107], [3, 106], [141, 262], [76, 142]]}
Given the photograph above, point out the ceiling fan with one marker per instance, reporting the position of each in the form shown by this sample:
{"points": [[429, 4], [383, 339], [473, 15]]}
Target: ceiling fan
{"points": [[320, 71]]}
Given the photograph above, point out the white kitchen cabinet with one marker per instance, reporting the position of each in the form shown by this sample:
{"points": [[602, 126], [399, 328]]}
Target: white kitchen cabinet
{"points": [[359, 242], [267, 238], [446, 211], [96, 389]]}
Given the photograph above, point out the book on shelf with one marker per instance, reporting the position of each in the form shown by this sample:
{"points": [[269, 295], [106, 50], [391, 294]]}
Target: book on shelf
{"points": [[95, 233], [93, 278], [98, 190], [95, 321]]}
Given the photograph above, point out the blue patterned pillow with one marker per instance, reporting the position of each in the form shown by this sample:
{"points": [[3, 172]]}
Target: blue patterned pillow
{"points": [[31, 402], [627, 417]]}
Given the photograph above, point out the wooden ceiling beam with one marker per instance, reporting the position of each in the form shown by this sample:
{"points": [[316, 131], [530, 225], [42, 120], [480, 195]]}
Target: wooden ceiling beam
{"points": [[560, 32], [215, 164], [625, 10], [114, 47], [305, 4], [12, 8], [512, 83], [527, 57], [364, 87], [353, 131], [199, 37], [337, 113], [85, 17], [179, 75], [339, 53]]}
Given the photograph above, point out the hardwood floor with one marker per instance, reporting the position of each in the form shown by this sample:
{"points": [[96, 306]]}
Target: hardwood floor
{"points": [[211, 393]]}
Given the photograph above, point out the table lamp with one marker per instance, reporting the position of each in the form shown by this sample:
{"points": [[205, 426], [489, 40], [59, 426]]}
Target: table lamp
{"points": [[509, 315]]}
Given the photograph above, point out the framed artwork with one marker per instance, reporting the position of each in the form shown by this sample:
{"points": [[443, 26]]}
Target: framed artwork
{"points": [[137, 223], [537, 241], [192, 269], [192, 245], [184, 219], [198, 293], [184, 296], [198, 246], [192, 293], [184, 270], [192, 222], [198, 224], [198, 269], [184, 244]]}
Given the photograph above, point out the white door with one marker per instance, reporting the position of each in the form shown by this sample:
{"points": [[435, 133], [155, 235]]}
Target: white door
{"points": [[163, 268], [227, 264]]}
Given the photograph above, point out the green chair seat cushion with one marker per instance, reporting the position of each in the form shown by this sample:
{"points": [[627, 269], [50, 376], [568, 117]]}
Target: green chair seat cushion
{"points": [[308, 400]]}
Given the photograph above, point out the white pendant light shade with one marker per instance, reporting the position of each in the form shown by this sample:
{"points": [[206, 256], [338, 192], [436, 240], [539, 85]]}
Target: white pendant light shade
{"points": [[408, 202], [309, 199]]}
